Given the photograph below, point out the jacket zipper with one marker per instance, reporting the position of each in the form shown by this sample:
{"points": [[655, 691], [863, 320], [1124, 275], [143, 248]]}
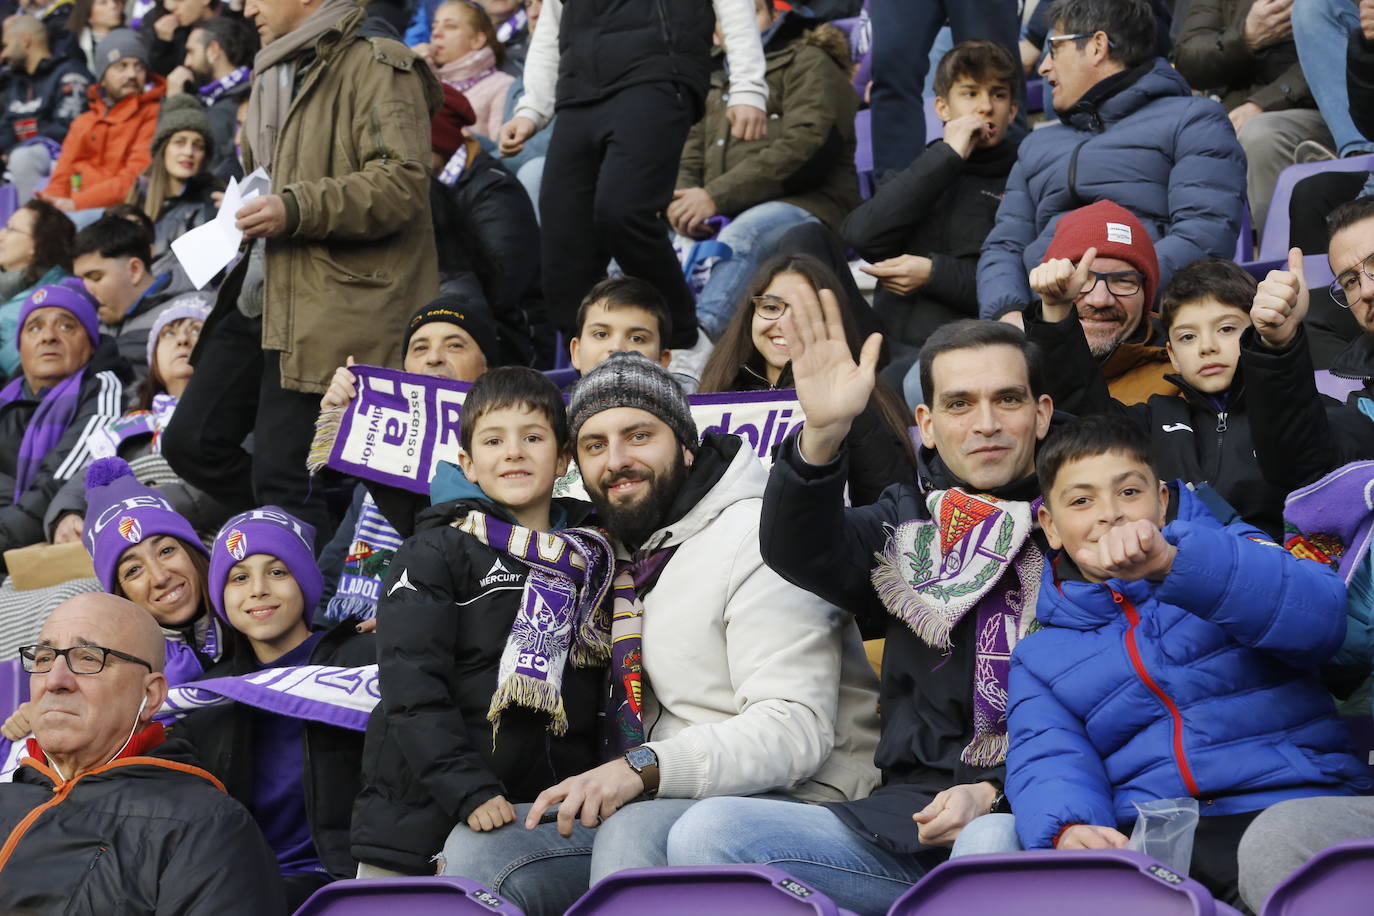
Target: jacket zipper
{"points": [[1133, 650], [1221, 436]]}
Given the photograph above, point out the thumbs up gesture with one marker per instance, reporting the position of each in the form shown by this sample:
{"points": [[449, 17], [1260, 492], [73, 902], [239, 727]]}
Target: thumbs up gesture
{"points": [[1059, 281], [1280, 303]]}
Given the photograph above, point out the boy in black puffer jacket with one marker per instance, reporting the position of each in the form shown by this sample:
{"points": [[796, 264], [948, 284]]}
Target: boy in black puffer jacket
{"points": [[432, 757]]}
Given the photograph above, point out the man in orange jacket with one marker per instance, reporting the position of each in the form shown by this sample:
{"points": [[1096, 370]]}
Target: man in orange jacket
{"points": [[110, 144]]}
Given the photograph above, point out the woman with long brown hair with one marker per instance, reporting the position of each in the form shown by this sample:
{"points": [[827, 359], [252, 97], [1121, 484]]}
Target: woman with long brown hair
{"points": [[752, 355]]}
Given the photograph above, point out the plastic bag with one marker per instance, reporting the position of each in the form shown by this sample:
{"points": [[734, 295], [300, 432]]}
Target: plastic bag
{"points": [[1164, 830]]}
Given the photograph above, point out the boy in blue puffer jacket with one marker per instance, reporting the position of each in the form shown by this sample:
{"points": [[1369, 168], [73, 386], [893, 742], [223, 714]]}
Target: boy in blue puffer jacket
{"points": [[1177, 657]]}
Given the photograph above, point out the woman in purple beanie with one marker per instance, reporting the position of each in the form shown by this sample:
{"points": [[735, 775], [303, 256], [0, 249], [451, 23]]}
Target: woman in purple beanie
{"points": [[297, 777]]}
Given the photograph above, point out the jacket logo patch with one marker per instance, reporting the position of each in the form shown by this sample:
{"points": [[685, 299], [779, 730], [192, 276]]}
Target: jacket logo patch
{"points": [[130, 529], [498, 573], [237, 544], [1176, 428], [403, 582]]}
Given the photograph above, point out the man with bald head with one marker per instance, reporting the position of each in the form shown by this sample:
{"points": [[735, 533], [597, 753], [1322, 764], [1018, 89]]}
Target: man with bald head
{"points": [[106, 814], [46, 93]]}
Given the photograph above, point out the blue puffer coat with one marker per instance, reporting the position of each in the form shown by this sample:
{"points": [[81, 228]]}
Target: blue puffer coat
{"points": [[1204, 685], [1171, 159]]}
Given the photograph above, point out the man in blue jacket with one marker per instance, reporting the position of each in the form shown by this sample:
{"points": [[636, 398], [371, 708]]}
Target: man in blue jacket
{"points": [[1132, 132], [1177, 657]]}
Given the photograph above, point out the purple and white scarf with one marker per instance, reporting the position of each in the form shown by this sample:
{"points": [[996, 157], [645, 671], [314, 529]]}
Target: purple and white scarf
{"points": [[934, 571], [512, 26], [45, 428], [141, 8], [105, 443], [181, 662], [333, 695], [1332, 520], [563, 612], [454, 168], [211, 91]]}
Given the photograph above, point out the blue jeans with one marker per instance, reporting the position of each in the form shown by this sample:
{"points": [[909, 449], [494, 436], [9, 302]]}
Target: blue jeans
{"points": [[752, 236], [991, 833], [1321, 29], [544, 873], [806, 841]]}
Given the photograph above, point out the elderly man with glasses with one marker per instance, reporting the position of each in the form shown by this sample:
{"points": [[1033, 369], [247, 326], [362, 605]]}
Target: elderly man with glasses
{"points": [[106, 814]]}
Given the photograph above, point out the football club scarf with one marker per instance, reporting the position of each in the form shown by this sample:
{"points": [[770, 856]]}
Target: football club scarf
{"points": [[1332, 520], [44, 430], [934, 571], [563, 613], [211, 91], [330, 694], [512, 26], [374, 543]]}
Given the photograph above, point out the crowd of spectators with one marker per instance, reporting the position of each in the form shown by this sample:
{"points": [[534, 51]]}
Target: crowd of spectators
{"points": [[1090, 478]]}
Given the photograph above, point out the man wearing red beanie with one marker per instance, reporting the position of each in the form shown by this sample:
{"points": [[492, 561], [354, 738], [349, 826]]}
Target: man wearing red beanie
{"points": [[1113, 303]]}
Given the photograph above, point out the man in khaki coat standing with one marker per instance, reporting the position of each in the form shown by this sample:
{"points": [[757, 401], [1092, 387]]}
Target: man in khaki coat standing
{"points": [[340, 252]]}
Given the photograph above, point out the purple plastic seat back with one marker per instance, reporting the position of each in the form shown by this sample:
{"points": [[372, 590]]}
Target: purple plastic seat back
{"points": [[409, 896], [562, 377], [1035, 95], [1335, 880], [863, 151], [1274, 238], [1245, 242], [719, 890], [14, 687], [9, 202], [1052, 883]]}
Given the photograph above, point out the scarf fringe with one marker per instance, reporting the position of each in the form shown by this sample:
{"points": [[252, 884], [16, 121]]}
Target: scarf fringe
{"points": [[344, 607], [523, 690], [986, 751], [900, 599], [326, 432]]}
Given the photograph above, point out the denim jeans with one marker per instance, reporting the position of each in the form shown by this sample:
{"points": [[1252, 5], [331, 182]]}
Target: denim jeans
{"points": [[806, 841], [1321, 29], [544, 873], [991, 833], [752, 236]]}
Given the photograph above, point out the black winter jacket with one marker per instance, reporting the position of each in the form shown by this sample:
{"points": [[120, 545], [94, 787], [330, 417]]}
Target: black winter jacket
{"points": [[223, 738], [102, 400], [1303, 435], [489, 248], [941, 207], [810, 539], [607, 45], [45, 102], [447, 607], [1201, 439], [150, 834], [223, 113]]}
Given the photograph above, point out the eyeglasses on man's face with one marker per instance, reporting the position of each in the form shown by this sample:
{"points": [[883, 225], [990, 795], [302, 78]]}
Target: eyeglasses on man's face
{"points": [[1119, 283], [40, 659], [1346, 288]]}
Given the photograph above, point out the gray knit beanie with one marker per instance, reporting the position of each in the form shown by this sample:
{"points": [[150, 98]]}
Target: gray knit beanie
{"points": [[184, 112], [631, 380], [118, 44]]}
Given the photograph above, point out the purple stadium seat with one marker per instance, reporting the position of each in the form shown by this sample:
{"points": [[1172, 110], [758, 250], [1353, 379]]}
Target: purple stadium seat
{"points": [[562, 377], [1035, 96], [1274, 239], [863, 151], [1315, 268], [14, 687], [9, 202], [1052, 883], [722, 890], [1245, 242], [935, 128], [410, 896], [1335, 880]]}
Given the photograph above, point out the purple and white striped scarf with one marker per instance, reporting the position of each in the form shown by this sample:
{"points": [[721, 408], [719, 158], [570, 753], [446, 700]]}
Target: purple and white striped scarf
{"points": [[512, 26], [564, 612], [211, 91], [50, 420]]}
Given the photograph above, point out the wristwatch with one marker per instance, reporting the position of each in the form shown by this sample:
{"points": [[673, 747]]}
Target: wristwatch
{"points": [[644, 762]]}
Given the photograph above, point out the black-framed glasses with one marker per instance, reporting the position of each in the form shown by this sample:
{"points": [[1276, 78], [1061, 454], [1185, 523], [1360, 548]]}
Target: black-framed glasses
{"points": [[80, 659], [1345, 289], [1119, 283], [1053, 40], [769, 308]]}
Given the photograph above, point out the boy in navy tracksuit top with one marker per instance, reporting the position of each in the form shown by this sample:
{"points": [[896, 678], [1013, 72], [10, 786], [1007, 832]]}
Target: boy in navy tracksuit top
{"points": [[1178, 657]]}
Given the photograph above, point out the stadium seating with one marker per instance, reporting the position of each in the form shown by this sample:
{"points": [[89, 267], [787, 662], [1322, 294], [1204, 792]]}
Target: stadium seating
{"points": [[1336, 880], [451, 896], [723, 890]]}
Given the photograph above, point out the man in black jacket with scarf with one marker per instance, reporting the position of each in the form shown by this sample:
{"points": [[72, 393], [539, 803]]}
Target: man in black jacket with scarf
{"points": [[953, 592]]}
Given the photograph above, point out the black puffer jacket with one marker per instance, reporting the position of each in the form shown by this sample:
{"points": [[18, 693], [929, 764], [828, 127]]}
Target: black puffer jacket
{"points": [[606, 45], [448, 604], [810, 539], [101, 401], [941, 207], [223, 737], [489, 247], [151, 834], [193, 207]]}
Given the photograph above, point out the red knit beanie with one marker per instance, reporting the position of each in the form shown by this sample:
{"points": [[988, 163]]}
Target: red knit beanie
{"points": [[447, 125], [1115, 232]]}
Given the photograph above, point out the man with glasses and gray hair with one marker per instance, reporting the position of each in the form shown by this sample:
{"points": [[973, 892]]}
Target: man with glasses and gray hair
{"points": [[1130, 131], [105, 813]]}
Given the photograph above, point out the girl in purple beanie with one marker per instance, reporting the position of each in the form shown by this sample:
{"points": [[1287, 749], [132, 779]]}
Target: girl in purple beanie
{"points": [[297, 777]]}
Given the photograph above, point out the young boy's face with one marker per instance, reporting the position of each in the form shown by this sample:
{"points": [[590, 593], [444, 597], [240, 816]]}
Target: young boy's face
{"points": [[515, 458], [1094, 494], [621, 329], [1204, 343], [112, 282], [992, 101]]}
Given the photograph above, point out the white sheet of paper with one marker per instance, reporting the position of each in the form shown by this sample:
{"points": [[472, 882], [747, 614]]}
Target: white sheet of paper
{"points": [[206, 249]]}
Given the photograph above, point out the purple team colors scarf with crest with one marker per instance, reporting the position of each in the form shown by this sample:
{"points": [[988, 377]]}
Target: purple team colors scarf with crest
{"points": [[934, 571], [45, 428]]}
